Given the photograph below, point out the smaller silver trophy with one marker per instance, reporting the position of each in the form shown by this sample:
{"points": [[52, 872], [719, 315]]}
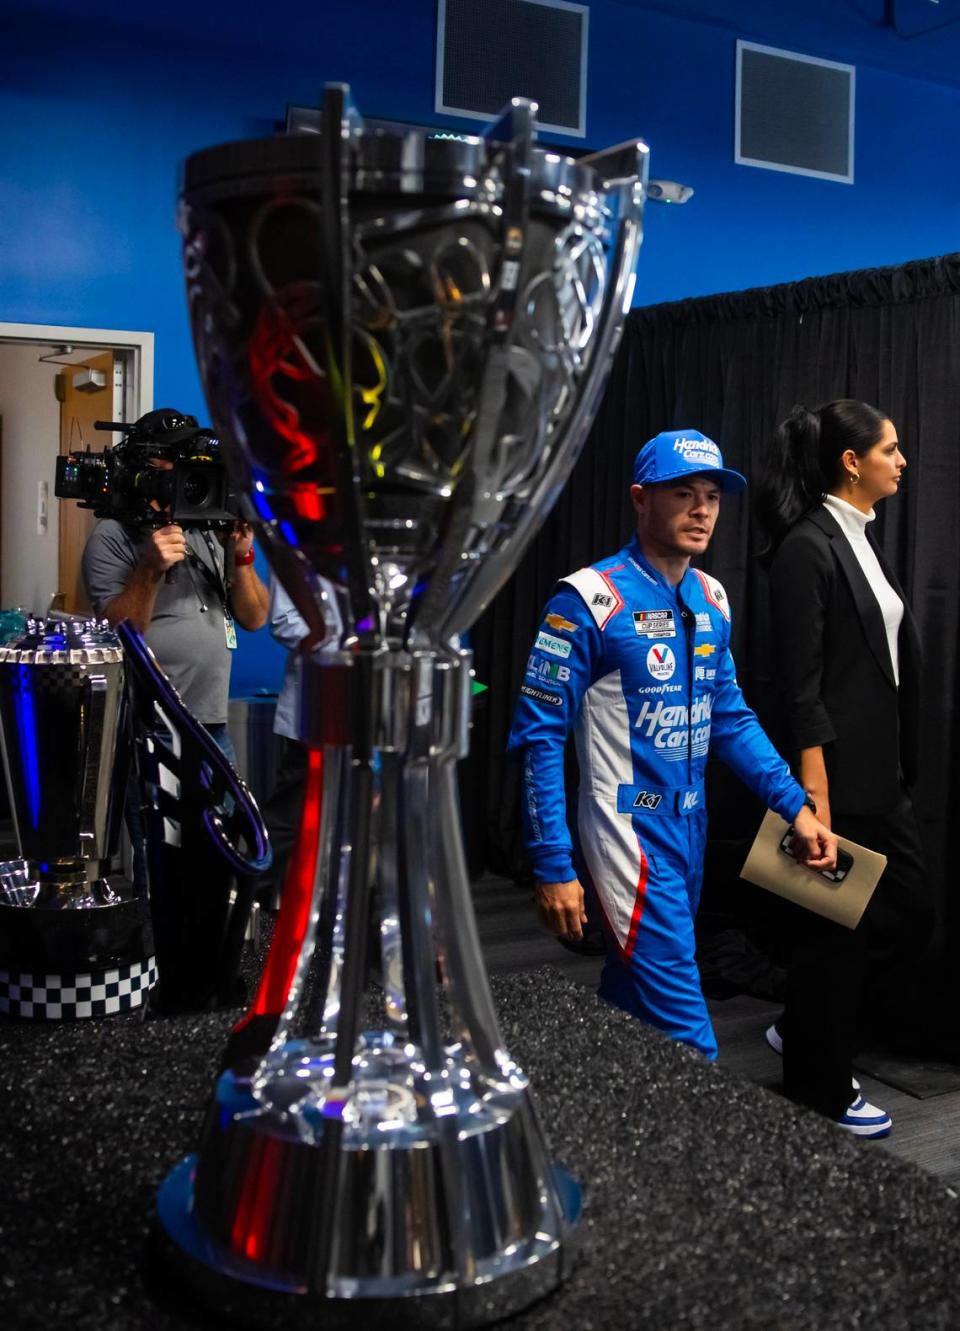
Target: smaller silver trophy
{"points": [[71, 945], [403, 335]]}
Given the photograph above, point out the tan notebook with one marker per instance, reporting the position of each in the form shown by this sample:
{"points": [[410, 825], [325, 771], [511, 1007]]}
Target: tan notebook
{"points": [[770, 865]]}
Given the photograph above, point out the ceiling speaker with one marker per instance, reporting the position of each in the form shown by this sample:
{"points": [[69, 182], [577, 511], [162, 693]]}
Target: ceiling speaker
{"points": [[794, 113], [491, 50]]}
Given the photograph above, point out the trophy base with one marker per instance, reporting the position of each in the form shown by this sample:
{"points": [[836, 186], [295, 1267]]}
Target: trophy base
{"points": [[50, 932], [247, 1294], [50, 996], [71, 946]]}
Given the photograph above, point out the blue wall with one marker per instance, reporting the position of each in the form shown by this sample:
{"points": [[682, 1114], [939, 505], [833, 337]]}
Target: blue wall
{"points": [[99, 106]]}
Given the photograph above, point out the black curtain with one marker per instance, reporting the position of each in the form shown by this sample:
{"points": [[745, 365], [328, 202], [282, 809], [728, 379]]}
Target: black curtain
{"points": [[732, 366]]}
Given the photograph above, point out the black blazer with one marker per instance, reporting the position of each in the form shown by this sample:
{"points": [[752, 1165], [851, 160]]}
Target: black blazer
{"points": [[835, 675]]}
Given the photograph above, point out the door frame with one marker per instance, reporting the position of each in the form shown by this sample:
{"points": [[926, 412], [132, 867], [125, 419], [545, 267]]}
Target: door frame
{"points": [[137, 345], [133, 348]]}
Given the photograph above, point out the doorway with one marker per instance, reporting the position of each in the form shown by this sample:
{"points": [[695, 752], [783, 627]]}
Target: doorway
{"points": [[55, 382]]}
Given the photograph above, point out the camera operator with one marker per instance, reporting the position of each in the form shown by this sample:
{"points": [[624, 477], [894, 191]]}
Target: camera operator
{"points": [[184, 590]]}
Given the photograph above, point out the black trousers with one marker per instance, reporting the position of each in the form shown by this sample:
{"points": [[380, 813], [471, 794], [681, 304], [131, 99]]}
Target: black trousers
{"points": [[281, 813], [835, 974]]}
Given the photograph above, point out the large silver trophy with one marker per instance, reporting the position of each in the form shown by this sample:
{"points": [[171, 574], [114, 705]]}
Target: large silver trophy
{"points": [[403, 335]]}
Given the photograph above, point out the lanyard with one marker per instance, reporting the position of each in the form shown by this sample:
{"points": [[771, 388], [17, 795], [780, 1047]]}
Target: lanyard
{"points": [[212, 575]]}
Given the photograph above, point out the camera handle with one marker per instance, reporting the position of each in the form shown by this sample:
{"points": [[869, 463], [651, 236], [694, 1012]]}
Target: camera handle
{"points": [[156, 521]]}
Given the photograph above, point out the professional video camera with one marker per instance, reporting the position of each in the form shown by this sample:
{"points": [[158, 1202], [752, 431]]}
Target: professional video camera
{"points": [[164, 456]]}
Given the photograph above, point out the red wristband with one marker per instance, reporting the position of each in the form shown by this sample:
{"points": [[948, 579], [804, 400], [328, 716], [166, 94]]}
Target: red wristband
{"points": [[248, 558]]}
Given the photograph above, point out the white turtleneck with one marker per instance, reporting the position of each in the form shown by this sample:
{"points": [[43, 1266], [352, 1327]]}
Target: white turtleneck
{"points": [[853, 523]]}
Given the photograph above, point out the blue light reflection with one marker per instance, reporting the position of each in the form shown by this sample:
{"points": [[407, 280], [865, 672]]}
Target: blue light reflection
{"points": [[27, 729]]}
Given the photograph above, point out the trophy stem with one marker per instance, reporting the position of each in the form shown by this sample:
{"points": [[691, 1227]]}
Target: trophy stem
{"points": [[364, 784], [387, 872], [417, 914], [310, 1157], [422, 969], [467, 976]]}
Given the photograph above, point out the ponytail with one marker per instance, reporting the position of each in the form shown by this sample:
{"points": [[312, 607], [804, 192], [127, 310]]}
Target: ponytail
{"points": [[804, 462], [791, 484]]}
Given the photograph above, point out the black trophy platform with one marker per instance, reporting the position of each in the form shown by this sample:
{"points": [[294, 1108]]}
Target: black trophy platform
{"points": [[710, 1203]]}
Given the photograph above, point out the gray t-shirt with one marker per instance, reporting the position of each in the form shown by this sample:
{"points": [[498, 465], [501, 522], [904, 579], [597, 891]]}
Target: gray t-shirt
{"points": [[189, 642]]}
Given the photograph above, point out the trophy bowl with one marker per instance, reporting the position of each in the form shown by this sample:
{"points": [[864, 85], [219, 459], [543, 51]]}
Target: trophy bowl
{"points": [[402, 335]]}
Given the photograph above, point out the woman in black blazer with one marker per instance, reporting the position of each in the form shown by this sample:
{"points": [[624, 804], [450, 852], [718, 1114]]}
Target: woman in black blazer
{"points": [[847, 654]]}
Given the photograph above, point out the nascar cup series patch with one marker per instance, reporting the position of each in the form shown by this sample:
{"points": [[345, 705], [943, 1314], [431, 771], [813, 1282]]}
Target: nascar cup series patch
{"points": [[654, 624], [661, 661]]}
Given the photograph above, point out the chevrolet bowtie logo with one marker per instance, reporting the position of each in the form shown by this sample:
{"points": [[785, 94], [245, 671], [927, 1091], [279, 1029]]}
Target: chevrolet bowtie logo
{"points": [[705, 649], [559, 624]]}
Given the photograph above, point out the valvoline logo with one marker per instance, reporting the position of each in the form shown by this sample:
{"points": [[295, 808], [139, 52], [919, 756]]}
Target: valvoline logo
{"points": [[661, 661]]}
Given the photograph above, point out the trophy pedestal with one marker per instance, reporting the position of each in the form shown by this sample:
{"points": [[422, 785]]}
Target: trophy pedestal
{"points": [[70, 945], [413, 1191]]}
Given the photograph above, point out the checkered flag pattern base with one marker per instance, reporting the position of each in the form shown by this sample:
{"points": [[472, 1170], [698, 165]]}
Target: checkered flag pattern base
{"points": [[60, 997]]}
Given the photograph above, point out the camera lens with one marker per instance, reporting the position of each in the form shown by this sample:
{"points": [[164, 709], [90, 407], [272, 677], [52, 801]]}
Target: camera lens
{"points": [[152, 483], [196, 489]]}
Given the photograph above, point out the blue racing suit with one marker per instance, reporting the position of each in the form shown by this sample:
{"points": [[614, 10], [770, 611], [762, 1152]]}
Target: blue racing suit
{"points": [[642, 672]]}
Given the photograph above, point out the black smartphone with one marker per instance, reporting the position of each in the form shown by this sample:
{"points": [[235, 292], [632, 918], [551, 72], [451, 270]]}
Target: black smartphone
{"points": [[836, 875]]}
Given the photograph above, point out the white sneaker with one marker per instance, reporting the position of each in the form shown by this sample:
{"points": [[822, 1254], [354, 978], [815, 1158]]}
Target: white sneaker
{"points": [[865, 1120], [775, 1040]]}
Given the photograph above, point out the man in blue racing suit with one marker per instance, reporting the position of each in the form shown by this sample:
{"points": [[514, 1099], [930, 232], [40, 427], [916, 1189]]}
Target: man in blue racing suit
{"points": [[634, 655]]}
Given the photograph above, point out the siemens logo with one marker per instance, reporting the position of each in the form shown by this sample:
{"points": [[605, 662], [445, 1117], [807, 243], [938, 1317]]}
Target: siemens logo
{"points": [[555, 646]]}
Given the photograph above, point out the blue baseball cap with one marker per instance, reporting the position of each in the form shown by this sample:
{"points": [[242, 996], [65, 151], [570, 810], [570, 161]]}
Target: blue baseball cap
{"points": [[676, 453]]}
